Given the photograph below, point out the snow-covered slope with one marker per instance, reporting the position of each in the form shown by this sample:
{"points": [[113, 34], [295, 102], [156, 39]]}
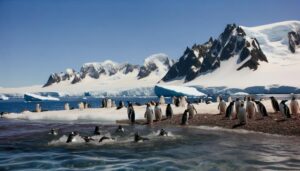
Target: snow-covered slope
{"points": [[282, 66], [105, 78]]}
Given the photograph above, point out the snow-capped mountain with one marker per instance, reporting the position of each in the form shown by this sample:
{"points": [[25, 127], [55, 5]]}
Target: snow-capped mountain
{"points": [[242, 57], [156, 65]]}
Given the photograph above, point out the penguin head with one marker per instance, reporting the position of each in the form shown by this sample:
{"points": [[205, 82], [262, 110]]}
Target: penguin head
{"points": [[283, 101]]}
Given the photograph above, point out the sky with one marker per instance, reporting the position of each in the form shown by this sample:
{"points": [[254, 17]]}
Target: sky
{"points": [[39, 37]]}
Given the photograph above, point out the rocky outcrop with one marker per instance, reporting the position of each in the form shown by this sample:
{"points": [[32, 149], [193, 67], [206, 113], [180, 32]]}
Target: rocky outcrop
{"points": [[294, 40], [201, 59]]}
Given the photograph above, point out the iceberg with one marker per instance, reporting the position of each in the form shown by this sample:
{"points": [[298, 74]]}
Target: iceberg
{"points": [[34, 97], [3, 97], [171, 90]]}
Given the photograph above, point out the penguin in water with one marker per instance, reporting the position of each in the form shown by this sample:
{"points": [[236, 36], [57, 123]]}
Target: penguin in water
{"points": [[284, 109], [229, 109], [71, 137], [53, 132], [261, 108], [88, 139], [184, 119], [163, 133], [138, 138], [120, 129], [97, 131], [275, 104], [104, 138]]}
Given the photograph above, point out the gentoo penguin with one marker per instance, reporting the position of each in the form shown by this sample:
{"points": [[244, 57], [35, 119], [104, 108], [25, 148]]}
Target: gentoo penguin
{"points": [[261, 109], [120, 129], [71, 137], [184, 119], [229, 109], [138, 138], [250, 108], [284, 109], [169, 111], [237, 105], [53, 132], [242, 114], [222, 106], [158, 112], [229, 99], [162, 100], [97, 130], [104, 138], [275, 104], [149, 114], [294, 105], [88, 139], [192, 110], [163, 133]]}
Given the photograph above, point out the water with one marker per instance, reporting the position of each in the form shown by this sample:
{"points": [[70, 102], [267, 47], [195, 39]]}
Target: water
{"points": [[26, 145]]}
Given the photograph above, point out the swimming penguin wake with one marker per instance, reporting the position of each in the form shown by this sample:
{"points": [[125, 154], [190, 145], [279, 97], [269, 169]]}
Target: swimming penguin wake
{"points": [[53, 132], [138, 138], [71, 137], [120, 129], [104, 138], [163, 133], [88, 139]]}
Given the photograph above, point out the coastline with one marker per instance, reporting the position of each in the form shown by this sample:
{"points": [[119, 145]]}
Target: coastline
{"points": [[290, 127]]}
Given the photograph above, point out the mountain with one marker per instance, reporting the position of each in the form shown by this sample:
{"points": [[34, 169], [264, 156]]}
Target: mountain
{"points": [[157, 65], [241, 57]]}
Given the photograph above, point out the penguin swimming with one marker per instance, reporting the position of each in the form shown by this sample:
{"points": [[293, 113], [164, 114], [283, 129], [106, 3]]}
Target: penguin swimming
{"points": [[71, 137], [261, 109], [104, 138], [229, 109], [88, 139], [275, 104], [97, 131], [163, 133], [53, 132], [120, 129], [138, 138], [284, 109], [184, 119]]}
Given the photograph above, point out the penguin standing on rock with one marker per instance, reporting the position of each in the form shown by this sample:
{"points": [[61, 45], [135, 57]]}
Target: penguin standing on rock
{"points": [[284, 109], [184, 119], [275, 104], [261, 108], [229, 109], [294, 105]]}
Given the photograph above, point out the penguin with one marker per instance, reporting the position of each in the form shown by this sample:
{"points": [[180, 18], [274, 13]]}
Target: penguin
{"points": [[38, 108], [229, 99], [162, 100], [169, 111], [294, 105], [222, 106], [2, 113], [261, 109], [163, 133], [71, 137], [138, 138], [53, 132], [104, 138], [275, 104], [237, 105], [229, 109], [192, 110], [120, 129], [284, 109], [250, 108], [158, 112], [88, 139], [184, 119], [97, 130], [109, 103], [121, 105], [67, 106]]}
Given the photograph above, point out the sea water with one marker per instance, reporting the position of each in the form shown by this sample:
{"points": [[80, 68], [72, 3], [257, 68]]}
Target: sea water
{"points": [[26, 145]]}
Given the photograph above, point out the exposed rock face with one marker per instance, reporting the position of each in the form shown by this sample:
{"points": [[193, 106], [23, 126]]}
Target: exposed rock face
{"points": [[209, 56], [294, 40], [158, 63]]}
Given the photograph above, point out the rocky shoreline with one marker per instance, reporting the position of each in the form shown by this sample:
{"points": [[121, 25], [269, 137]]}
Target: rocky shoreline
{"points": [[268, 124]]}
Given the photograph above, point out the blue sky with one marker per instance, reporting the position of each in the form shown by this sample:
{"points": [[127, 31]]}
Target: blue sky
{"points": [[38, 37]]}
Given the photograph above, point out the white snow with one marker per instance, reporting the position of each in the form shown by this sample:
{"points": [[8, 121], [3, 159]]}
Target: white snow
{"points": [[42, 98], [3, 97], [240, 94], [282, 67], [110, 115]]}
